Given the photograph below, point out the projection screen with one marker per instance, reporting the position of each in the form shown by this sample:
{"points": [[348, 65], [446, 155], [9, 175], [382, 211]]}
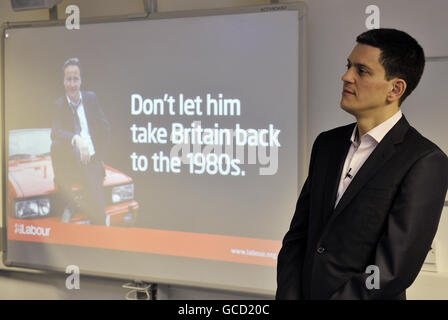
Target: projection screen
{"points": [[205, 153]]}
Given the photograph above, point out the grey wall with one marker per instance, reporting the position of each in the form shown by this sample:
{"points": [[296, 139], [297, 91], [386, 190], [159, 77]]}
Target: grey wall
{"points": [[333, 26], [18, 285]]}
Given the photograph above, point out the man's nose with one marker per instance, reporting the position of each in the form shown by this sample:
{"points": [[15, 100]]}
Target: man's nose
{"points": [[347, 76]]}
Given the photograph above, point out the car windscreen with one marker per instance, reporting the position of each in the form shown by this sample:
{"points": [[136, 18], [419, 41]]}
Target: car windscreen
{"points": [[29, 143]]}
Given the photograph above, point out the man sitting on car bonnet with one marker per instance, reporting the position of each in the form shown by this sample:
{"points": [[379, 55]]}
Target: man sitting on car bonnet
{"points": [[80, 135]]}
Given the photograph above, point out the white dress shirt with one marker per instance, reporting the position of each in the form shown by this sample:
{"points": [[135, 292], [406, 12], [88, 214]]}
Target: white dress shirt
{"points": [[361, 150], [85, 134]]}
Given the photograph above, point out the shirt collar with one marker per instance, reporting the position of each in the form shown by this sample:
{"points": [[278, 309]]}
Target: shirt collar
{"points": [[380, 130], [71, 103]]}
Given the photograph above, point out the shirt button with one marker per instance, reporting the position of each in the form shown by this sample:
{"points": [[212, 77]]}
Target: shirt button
{"points": [[320, 250]]}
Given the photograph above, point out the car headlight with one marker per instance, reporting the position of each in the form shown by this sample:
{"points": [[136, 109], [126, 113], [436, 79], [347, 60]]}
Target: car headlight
{"points": [[123, 193], [32, 208]]}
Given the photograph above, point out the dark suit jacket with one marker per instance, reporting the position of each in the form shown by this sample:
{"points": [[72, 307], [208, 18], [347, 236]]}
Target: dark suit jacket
{"points": [[387, 217], [65, 157]]}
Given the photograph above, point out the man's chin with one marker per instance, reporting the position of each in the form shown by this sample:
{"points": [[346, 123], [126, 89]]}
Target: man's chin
{"points": [[348, 109], [74, 96]]}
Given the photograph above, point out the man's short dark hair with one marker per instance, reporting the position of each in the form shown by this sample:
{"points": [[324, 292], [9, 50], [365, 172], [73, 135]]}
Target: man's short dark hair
{"points": [[401, 55], [71, 62]]}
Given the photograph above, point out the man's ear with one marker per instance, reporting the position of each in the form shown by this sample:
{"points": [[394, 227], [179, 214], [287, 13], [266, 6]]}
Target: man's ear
{"points": [[397, 90]]}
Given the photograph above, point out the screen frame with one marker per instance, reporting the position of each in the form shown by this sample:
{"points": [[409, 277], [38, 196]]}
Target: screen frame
{"points": [[302, 133]]}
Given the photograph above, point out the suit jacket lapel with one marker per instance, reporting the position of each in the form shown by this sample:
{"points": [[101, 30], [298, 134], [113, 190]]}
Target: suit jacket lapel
{"points": [[338, 152], [383, 152]]}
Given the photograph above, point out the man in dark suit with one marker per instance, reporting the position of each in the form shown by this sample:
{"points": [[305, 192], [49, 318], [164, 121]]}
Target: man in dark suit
{"points": [[375, 188], [80, 135]]}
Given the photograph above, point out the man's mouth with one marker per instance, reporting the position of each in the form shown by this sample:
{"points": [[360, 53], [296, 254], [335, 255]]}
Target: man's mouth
{"points": [[348, 92]]}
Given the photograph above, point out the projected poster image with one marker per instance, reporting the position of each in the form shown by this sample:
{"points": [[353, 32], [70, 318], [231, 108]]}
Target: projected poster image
{"points": [[68, 178], [152, 139]]}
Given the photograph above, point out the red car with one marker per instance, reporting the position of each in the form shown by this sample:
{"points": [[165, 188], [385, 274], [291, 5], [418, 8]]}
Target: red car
{"points": [[32, 193]]}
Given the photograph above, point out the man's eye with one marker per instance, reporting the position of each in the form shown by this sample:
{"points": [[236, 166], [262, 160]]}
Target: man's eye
{"points": [[362, 71], [348, 66]]}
